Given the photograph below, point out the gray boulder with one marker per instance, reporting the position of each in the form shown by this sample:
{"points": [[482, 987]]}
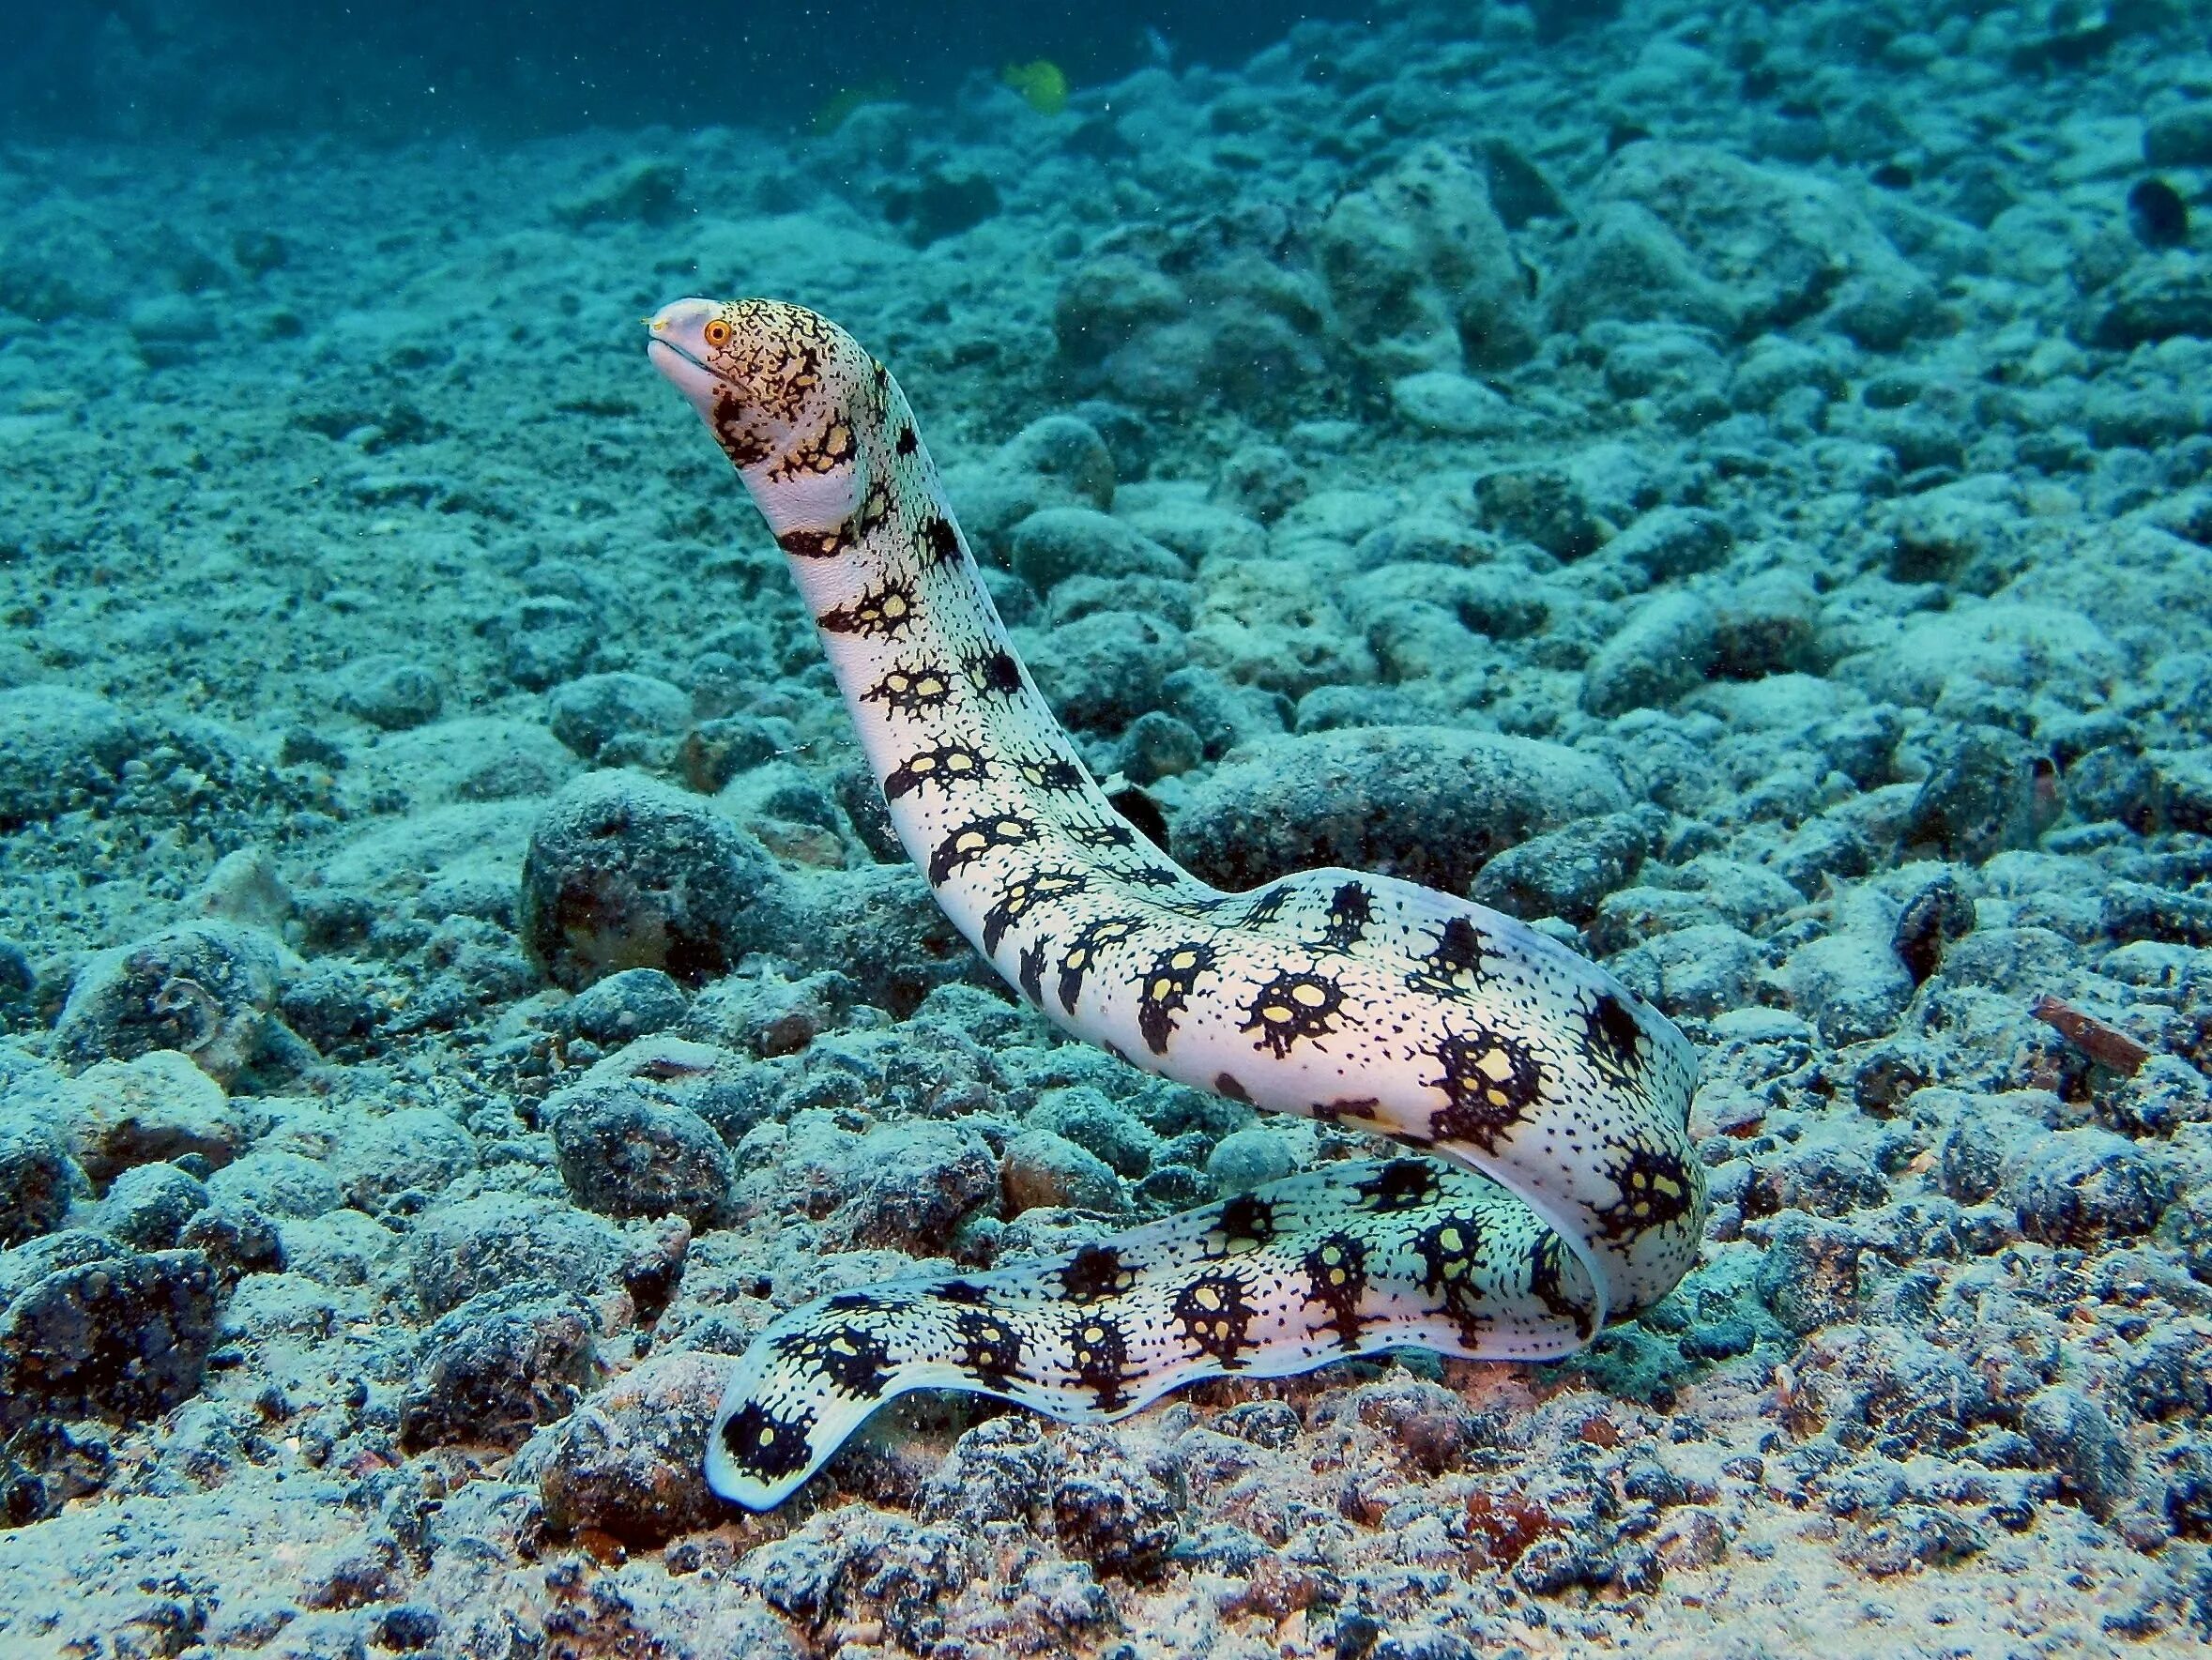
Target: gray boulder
{"points": [[623, 872], [1432, 804]]}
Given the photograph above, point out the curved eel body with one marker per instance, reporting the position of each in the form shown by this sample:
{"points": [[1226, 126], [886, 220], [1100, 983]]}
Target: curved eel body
{"points": [[1567, 1191]]}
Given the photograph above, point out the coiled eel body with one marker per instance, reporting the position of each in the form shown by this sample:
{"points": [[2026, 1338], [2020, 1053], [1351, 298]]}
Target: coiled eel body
{"points": [[1559, 1188]]}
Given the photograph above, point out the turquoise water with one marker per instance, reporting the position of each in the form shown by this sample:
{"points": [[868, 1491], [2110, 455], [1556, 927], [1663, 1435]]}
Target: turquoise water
{"points": [[1727, 487]]}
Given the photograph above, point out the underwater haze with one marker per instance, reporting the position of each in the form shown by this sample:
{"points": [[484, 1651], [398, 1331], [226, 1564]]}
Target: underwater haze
{"points": [[521, 1024]]}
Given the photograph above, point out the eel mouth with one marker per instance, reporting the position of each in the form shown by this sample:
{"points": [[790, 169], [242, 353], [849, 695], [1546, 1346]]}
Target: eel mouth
{"points": [[660, 343], [701, 385]]}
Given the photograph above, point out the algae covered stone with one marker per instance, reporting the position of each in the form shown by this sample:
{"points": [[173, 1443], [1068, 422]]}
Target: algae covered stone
{"points": [[1431, 804], [623, 872]]}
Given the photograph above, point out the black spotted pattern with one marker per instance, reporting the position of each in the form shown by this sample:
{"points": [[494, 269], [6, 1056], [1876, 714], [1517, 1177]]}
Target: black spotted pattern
{"points": [[995, 674], [1351, 907], [1546, 1265], [1454, 966], [1246, 1220], [1101, 1356], [1094, 1273], [1167, 986], [912, 691], [938, 543], [990, 1349], [1656, 1187], [1031, 970], [1054, 774], [814, 544], [1215, 1312], [1023, 894], [973, 840], [1101, 835], [1611, 1037], [765, 1445], [1266, 907], [1337, 1279], [1447, 1254], [1403, 1184], [1492, 1082], [1292, 1008], [1092, 938], [947, 765], [848, 1357], [880, 614]]}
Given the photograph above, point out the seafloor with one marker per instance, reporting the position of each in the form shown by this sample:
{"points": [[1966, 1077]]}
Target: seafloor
{"points": [[1735, 482]]}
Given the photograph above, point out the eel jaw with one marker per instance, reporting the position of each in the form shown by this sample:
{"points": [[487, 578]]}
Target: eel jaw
{"points": [[676, 350]]}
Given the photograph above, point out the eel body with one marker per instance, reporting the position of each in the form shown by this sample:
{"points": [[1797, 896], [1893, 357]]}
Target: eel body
{"points": [[1558, 1190]]}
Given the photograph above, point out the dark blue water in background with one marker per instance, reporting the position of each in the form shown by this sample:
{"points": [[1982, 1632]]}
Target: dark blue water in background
{"points": [[415, 70]]}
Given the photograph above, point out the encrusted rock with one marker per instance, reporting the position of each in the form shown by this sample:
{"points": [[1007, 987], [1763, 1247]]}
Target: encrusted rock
{"points": [[623, 873], [498, 1366], [627, 1461], [122, 1337], [1040, 1168], [148, 1207], [2080, 1186], [998, 1471], [2078, 1439], [463, 1250], [38, 1180], [1115, 1512], [204, 988], [624, 1152], [1431, 804], [158, 1107], [632, 1004]]}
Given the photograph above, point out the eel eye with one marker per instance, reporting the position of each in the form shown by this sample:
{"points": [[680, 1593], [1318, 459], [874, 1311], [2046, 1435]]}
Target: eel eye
{"points": [[717, 333]]}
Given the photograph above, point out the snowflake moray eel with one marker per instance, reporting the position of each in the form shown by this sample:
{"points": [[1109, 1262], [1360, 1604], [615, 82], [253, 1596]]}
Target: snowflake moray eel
{"points": [[1558, 1191]]}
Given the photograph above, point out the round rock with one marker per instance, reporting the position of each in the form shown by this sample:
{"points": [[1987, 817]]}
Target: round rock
{"points": [[122, 1338], [1060, 542], [632, 1004], [623, 873], [1430, 804], [389, 692], [498, 1366], [586, 713], [1042, 1169], [624, 1153], [58, 747], [157, 1107], [36, 1180], [627, 1461], [205, 989], [149, 1205]]}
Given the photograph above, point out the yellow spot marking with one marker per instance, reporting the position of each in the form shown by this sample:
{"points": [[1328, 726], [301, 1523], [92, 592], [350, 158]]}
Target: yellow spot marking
{"points": [[1311, 995]]}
